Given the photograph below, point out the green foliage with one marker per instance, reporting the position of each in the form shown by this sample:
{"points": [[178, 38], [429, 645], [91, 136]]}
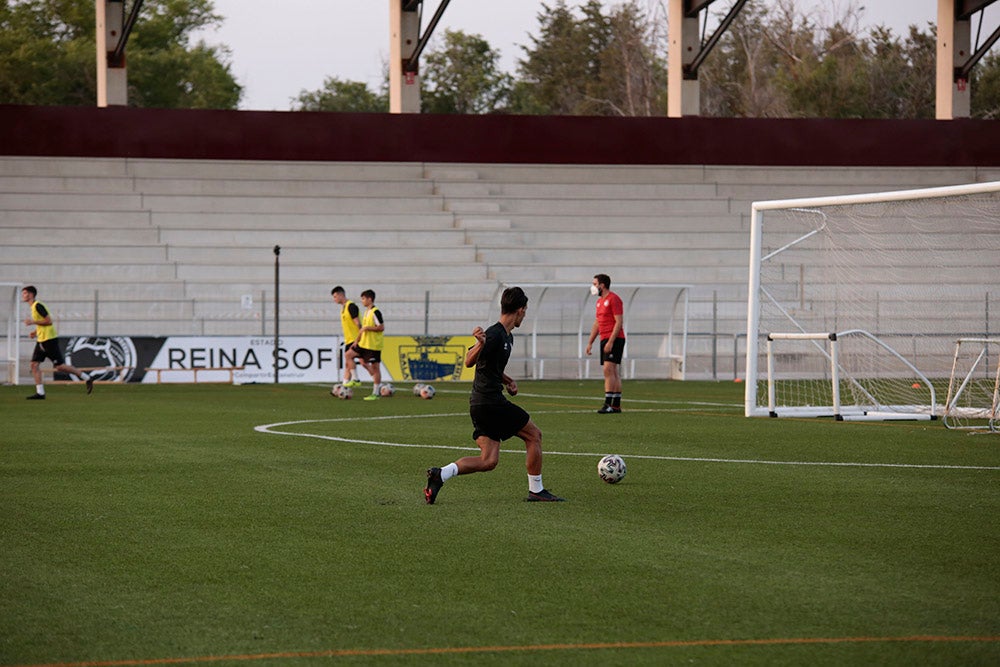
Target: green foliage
{"points": [[462, 75], [47, 55], [154, 523], [342, 96], [986, 88], [779, 64], [594, 64]]}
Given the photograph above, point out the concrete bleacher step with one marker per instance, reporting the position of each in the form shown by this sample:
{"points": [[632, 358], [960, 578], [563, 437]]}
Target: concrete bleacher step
{"points": [[596, 255], [582, 174], [123, 220], [57, 291], [329, 221], [247, 204], [63, 166], [250, 169], [461, 206], [69, 201], [281, 187], [388, 290], [888, 178], [87, 272], [345, 254], [472, 222], [158, 309], [620, 191], [66, 184], [666, 222], [95, 254], [433, 269], [528, 272], [615, 206], [466, 189], [451, 173], [330, 238], [515, 240], [70, 236]]}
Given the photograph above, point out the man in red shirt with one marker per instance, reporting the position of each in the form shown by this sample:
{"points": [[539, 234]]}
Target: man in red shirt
{"points": [[608, 324]]}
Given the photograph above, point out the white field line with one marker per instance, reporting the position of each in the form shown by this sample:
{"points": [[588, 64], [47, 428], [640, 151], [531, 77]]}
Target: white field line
{"points": [[274, 429]]}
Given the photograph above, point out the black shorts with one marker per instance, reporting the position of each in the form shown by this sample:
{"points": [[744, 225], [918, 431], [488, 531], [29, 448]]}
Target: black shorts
{"points": [[617, 351], [371, 356], [48, 350], [497, 422], [344, 346]]}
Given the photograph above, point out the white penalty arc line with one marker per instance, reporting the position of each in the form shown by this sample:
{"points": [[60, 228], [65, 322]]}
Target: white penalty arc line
{"points": [[273, 429]]}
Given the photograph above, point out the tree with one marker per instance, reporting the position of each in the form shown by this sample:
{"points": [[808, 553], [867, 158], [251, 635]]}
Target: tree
{"points": [[599, 64], [738, 79], [339, 95], [552, 74], [463, 76], [49, 55], [781, 63], [985, 87]]}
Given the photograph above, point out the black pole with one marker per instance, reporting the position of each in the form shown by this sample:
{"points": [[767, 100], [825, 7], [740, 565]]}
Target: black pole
{"points": [[277, 318]]}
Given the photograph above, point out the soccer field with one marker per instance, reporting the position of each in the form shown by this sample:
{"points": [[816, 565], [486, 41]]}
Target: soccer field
{"points": [[276, 525]]}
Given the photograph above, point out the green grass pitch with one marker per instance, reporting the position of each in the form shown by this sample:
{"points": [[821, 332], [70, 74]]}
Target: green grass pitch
{"points": [[277, 525]]}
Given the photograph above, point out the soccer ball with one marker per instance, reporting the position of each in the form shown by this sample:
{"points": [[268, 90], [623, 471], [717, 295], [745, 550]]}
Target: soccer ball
{"points": [[346, 393], [337, 390], [611, 468], [387, 390], [427, 391], [417, 388]]}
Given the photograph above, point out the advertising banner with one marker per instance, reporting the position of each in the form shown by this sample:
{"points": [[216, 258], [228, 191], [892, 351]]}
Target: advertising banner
{"points": [[250, 359]]}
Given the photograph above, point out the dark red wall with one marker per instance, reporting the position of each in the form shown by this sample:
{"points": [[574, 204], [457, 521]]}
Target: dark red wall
{"points": [[262, 135]]}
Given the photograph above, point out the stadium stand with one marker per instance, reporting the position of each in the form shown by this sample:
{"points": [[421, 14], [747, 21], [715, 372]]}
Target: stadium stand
{"points": [[149, 234]]}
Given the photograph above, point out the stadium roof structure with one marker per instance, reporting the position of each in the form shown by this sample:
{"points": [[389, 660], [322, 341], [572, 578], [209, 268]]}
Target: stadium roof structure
{"points": [[687, 23]]}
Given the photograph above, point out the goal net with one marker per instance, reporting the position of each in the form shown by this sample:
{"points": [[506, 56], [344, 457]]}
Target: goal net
{"points": [[972, 402], [552, 340], [895, 276]]}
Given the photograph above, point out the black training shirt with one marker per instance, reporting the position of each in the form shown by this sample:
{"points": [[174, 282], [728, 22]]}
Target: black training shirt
{"points": [[487, 386]]}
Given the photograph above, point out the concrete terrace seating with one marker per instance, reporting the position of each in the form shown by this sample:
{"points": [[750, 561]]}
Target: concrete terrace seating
{"points": [[158, 247]]}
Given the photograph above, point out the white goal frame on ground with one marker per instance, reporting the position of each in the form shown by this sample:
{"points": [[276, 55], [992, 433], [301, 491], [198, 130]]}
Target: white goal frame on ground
{"points": [[560, 317], [802, 241], [835, 409], [973, 401], [13, 331]]}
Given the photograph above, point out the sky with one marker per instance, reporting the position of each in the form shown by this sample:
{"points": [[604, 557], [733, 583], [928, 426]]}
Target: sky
{"points": [[280, 49]]}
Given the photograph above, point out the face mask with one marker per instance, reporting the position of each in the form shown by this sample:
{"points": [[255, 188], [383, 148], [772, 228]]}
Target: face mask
{"points": [[594, 290]]}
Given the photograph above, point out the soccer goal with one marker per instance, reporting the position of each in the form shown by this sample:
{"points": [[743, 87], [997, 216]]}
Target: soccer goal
{"points": [[894, 278], [973, 389], [560, 316], [10, 303]]}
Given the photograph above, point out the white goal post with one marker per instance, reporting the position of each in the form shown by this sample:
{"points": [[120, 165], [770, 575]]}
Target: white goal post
{"points": [[973, 401], [10, 309], [894, 277]]}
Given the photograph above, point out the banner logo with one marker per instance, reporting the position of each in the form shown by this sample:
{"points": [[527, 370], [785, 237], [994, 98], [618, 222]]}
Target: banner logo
{"points": [[113, 357]]}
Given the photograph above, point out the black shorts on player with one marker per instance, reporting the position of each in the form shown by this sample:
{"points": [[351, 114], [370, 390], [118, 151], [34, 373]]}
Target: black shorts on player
{"points": [[617, 351], [498, 422]]}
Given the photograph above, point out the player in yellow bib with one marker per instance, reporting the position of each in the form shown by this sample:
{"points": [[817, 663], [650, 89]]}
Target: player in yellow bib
{"points": [[350, 324], [367, 349], [46, 344]]}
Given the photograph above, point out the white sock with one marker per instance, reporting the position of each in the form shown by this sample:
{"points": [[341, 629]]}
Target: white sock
{"points": [[40, 389], [449, 471], [535, 483], [376, 390], [85, 376]]}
